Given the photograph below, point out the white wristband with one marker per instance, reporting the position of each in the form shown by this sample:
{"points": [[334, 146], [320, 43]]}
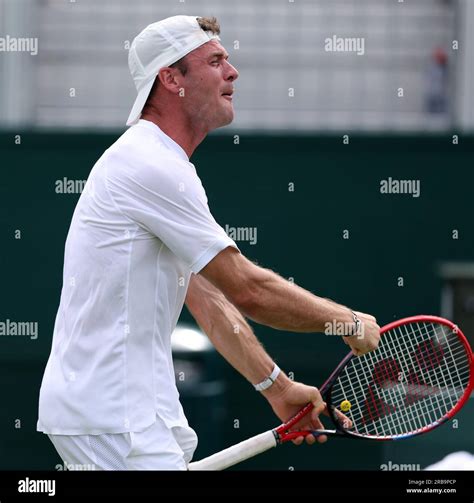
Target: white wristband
{"points": [[262, 386]]}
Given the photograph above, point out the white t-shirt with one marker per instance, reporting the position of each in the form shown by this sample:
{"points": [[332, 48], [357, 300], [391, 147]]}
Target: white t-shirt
{"points": [[141, 225]]}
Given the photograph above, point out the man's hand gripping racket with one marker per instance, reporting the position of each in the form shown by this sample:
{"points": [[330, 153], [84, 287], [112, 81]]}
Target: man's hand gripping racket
{"points": [[420, 376]]}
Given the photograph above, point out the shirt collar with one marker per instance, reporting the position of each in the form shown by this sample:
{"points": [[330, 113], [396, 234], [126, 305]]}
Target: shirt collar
{"points": [[165, 138]]}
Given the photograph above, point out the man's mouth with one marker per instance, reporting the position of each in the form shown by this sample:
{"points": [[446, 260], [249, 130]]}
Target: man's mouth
{"points": [[228, 95]]}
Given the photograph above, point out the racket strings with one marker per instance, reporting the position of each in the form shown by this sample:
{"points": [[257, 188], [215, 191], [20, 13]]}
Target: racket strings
{"points": [[380, 407], [428, 388], [391, 377], [415, 377]]}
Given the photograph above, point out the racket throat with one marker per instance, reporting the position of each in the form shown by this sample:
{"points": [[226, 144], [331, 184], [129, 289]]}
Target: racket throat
{"points": [[329, 433]]}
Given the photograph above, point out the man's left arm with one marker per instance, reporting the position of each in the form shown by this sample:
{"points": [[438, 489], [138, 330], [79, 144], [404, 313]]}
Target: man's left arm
{"points": [[234, 339]]}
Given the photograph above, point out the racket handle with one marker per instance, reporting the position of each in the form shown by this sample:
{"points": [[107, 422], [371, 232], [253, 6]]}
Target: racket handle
{"points": [[237, 453]]}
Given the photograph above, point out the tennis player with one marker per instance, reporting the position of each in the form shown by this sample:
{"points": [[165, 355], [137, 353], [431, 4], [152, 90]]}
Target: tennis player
{"points": [[143, 241]]}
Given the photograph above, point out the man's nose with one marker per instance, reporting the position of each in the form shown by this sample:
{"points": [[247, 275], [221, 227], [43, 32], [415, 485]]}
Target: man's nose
{"points": [[232, 73]]}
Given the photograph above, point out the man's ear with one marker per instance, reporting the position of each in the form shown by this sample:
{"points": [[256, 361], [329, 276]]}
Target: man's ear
{"points": [[170, 79]]}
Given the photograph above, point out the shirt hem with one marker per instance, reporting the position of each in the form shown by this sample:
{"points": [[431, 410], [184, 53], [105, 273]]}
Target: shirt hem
{"points": [[211, 252], [95, 431]]}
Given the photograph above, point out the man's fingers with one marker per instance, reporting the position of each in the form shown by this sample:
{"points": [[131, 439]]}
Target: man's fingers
{"points": [[318, 425], [310, 439], [325, 411], [321, 439], [365, 315], [343, 419], [298, 440], [311, 421], [315, 424], [319, 408]]}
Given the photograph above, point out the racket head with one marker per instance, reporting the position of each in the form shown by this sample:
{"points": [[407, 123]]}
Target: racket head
{"points": [[420, 376]]}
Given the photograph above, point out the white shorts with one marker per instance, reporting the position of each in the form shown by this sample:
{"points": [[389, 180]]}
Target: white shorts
{"points": [[156, 448]]}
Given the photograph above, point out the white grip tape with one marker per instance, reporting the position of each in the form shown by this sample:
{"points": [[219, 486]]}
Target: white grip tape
{"points": [[237, 453]]}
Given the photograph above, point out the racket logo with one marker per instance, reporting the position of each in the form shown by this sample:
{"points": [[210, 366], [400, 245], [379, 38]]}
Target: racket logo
{"points": [[387, 375]]}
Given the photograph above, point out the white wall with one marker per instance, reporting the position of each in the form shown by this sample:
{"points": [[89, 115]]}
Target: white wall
{"points": [[281, 46], [464, 110]]}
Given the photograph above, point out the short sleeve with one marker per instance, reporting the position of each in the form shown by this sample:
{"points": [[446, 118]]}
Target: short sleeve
{"points": [[168, 199]]}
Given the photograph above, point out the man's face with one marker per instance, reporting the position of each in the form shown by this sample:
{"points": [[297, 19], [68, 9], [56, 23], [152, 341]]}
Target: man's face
{"points": [[208, 86]]}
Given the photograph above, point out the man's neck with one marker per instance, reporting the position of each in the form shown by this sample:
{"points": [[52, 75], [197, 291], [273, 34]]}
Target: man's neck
{"points": [[188, 136]]}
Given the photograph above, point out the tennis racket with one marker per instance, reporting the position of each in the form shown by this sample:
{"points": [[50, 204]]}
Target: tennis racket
{"points": [[420, 376]]}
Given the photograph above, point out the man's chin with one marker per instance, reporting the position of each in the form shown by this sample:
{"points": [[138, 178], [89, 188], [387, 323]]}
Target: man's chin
{"points": [[226, 119]]}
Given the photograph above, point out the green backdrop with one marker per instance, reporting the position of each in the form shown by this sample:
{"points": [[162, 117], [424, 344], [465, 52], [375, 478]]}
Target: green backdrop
{"points": [[301, 193]]}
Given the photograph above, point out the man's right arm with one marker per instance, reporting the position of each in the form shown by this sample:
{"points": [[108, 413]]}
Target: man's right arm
{"points": [[267, 298]]}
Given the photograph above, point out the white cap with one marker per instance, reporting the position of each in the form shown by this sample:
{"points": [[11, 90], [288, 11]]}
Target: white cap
{"points": [[160, 45]]}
